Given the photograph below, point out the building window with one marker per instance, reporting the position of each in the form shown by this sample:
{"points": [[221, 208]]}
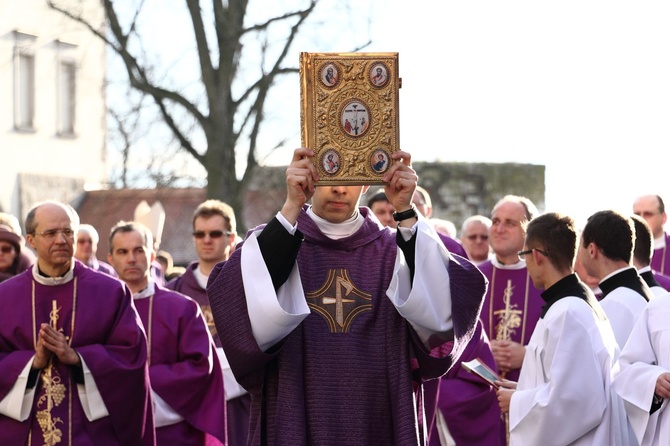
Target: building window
{"points": [[66, 99], [24, 82]]}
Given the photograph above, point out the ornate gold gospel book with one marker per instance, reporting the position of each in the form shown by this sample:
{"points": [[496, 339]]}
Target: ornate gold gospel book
{"points": [[349, 114]]}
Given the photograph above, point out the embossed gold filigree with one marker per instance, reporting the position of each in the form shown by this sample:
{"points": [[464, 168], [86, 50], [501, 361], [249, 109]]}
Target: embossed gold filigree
{"points": [[349, 115]]}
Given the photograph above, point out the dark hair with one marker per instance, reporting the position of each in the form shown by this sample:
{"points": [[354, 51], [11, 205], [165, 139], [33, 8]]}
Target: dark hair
{"points": [[211, 208], [130, 226], [380, 195], [644, 243], [555, 234], [613, 234]]}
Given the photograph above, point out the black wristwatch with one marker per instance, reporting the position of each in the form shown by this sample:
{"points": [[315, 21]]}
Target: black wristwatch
{"points": [[405, 215]]}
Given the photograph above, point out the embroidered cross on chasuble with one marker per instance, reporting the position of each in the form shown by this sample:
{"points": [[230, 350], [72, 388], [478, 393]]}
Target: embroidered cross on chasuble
{"points": [[339, 301]]}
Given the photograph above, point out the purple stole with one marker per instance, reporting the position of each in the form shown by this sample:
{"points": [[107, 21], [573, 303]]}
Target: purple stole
{"points": [[512, 306], [184, 368]]}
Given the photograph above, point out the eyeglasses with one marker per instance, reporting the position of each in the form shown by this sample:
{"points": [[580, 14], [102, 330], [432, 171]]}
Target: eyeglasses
{"points": [[50, 234], [212, 234], [6, 249], [522, 254], [478, 236]]}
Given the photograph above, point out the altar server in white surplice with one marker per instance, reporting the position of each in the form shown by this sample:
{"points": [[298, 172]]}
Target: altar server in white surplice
{"points": [[563, 396], [644, 378]]}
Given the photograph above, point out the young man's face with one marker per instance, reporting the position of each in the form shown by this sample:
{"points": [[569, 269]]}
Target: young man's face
{"points": [[336, 203], [213, 241], [131, 259], [383, 210]]}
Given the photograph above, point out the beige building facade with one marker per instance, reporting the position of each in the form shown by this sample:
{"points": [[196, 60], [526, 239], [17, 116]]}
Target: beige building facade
{"points": [[52, 117]]}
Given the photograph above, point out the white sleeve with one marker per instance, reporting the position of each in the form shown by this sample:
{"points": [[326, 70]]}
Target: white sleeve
{"points": [[18, 402], [89, 396], [164, 415], [231, 387], [273, 315], [638, 371], [426, 301]]}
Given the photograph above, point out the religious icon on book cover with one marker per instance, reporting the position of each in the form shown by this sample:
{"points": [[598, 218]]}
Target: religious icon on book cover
{"points": [[331, 161], [349, 114]]}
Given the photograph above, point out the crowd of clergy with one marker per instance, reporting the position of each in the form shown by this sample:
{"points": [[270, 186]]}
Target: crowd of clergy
{"points": [[575, 323]]}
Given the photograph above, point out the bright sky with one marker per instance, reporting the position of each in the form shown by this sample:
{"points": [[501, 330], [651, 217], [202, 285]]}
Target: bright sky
{"points": [[580, 86]]}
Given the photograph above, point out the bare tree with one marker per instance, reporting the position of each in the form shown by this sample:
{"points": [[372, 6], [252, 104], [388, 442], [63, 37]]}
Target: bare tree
{"points": [[232, 108]]}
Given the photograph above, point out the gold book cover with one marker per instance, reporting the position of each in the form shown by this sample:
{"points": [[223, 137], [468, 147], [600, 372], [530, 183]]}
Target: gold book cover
{"points": [[349, 114]]}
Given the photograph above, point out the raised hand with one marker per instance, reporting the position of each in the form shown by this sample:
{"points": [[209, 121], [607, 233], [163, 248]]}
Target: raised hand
{"points": [[300, 177]]}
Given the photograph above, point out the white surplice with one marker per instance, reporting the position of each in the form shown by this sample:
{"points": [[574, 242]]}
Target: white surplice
{"points": [[563, 396], [644, 358]]}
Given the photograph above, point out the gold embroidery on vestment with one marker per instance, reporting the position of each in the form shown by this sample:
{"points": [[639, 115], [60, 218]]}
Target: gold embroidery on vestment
{"points": [[54, 389], [339, 301], [509, 318]]}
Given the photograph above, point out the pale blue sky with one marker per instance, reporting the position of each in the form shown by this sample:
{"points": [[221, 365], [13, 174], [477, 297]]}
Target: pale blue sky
{"points": [[582, 87]]}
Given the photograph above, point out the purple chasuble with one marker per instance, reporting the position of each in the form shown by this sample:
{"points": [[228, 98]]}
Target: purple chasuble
{"points": [[469, 405], [512, 306], [660, 261], [663, 281], [96, 312], [237, 409], [187, 284], [183, 367], [347, 374]]}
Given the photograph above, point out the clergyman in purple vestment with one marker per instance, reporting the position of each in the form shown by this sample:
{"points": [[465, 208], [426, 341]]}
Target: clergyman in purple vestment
{"points": [[652, 209], [72, 350], [214, 236], [333, 323], [186, 377]]}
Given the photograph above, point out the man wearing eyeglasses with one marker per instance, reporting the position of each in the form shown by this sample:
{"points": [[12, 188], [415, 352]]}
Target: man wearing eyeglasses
{"points": [[87, 248], [475, 238], [563, 395], [72, 353], [652, 209], [214, 238]]}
